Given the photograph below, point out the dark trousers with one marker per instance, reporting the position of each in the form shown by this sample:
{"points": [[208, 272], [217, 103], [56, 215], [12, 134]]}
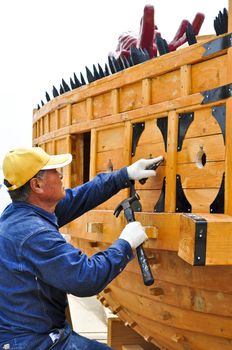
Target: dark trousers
{"points": [[66, 340]]}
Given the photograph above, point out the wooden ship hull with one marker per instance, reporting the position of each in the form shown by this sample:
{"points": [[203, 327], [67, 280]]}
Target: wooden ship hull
{"points": [[177, 105]]}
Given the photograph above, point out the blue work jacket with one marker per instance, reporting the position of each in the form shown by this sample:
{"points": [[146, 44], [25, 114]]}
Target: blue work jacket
{"points": [[38, 267]]}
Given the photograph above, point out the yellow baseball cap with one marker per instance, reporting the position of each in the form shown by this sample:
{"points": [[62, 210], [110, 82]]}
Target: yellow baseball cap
{"points": [[21, 164]]}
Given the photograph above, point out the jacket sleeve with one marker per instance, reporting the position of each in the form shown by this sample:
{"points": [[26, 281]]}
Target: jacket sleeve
{"points": [[86, 197], [49, 257]]}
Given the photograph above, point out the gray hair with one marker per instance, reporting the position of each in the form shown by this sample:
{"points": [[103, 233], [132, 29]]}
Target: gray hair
{"points": [[22, 193]]}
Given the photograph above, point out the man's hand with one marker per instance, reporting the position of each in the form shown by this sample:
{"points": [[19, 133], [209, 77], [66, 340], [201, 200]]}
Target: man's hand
{"points": [[138, 170], [134, 234]]}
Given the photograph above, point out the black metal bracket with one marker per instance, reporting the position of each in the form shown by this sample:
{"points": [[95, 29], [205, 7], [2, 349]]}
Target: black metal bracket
{"points": [[219, 113], [137, 131], [200, 242], [200, 239], [159, 206], [218, 45], [217, 94], [162, 124], [185, 119], [182, 204], [218, 204]]}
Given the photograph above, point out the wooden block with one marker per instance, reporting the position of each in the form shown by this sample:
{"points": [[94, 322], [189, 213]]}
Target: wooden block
{"points": [[151, 231], [96, 227], [217, 241], [120, 336]]}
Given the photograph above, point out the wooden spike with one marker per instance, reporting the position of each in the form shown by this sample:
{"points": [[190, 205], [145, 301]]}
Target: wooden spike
{"points": [[166, 315], [178, 338], [130, 324], [107, 290], [156, 291], [117, 309], [148, 338], [103, 300], [93, 244]]}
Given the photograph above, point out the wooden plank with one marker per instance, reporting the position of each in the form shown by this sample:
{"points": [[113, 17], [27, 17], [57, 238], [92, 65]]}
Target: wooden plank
{"points": [[182, 104], [170, 192], [127, 145], [48, 146], [77, 165], [167, 315], [166, 224], [114, 101], [149, 198], [201, 198], [53, 120], [69, 114], [115, 156], [41, 126], [34, 132], [182, 296], [209, 74], [149, 150], [146, 92], [89, 108], [219, 240], [79, 112], [46, 123], [193, 176], [168, 336], [151, 133], [130, 97], [110, 138], [119, 335], [192, 146], [159, 90], [64, 117], [148, 69], [67, 170], [93, 150], [228, 159], [185, 80], [127, 149], [203, 124], [162, 65], [230, 16], [102, 105]]}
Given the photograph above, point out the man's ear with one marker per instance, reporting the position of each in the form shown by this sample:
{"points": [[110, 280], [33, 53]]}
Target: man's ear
{"points": [[35, 185]]}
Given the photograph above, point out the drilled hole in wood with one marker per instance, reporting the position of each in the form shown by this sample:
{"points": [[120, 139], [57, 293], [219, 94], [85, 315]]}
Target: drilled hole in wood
{"points": [[201, 158]]}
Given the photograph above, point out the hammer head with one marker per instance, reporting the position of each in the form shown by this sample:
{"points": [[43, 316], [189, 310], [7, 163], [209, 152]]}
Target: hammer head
{"points": [[126, 203]]}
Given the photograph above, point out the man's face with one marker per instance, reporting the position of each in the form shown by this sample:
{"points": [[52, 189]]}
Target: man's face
{"points": [[52, 185]]}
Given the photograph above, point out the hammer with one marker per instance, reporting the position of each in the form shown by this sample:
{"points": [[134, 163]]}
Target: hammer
{"points": [[142, 259]]}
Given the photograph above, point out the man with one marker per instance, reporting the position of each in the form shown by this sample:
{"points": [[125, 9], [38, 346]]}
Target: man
{"points": [[37, 266]]}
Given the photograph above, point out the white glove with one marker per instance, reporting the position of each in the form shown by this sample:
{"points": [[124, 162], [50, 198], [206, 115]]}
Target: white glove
{"points": [[137, 170], [134, 234]]}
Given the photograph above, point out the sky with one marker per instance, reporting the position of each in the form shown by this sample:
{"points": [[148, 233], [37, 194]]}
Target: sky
{"points": [[43, 41]]}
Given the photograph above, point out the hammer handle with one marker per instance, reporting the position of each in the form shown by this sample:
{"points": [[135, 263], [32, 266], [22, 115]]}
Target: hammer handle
{"points": [[142, 258], [144, 266]]}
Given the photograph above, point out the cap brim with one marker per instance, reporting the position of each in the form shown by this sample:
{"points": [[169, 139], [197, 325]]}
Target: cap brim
{"points": [[58, 161]]}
